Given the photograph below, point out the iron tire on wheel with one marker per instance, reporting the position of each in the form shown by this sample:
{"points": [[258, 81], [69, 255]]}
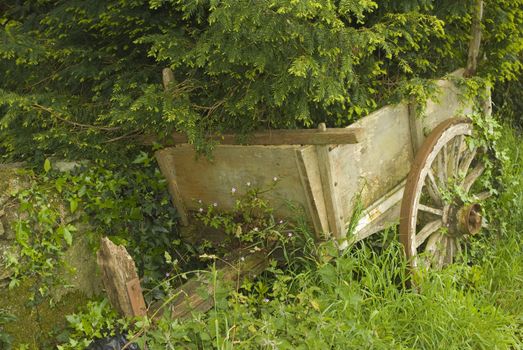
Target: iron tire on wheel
{"points": [[432, 220]]}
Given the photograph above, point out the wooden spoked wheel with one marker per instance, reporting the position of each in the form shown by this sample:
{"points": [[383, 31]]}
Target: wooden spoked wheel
{"points": [[438, 211]]}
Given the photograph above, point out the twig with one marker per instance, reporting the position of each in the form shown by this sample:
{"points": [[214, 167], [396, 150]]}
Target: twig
{"points": [[130, 134], [70, 122]]}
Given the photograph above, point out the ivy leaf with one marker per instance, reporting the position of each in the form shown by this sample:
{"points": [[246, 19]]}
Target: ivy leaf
{"points": [[59, 184], [47, 165], [68, 237], [14, 282], [73, 204], [142, 158], [65, 232]]}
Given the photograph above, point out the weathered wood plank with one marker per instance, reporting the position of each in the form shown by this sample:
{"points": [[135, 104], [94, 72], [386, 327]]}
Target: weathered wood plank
{"points": [[134, 292], [416, 128], [307, 163], [332, 136], [380, 215], [204, 181], [196, 295], [367, 171], [330, 189], [167, 167], [119, 272], [448, 104]]}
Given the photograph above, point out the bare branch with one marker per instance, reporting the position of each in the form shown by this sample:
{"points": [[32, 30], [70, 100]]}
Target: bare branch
{"points": [[57, 115]]}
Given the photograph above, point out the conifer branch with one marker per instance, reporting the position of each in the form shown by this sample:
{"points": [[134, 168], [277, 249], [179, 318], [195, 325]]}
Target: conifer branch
{"points": [[56, 115]]}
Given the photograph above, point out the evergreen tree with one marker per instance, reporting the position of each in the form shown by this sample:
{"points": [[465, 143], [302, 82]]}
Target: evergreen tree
{"points": [[78, 76]]}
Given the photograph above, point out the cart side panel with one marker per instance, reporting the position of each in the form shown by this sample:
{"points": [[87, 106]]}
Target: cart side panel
{"points": [[373, 167], [380, 162], [448, 104], [212, 181]]}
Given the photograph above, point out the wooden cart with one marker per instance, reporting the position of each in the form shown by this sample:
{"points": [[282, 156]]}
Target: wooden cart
{"points": [[329, 172]]}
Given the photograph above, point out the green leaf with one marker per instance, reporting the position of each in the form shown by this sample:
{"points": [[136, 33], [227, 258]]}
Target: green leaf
{"points": [[73, 204], [14, 282], [47, 165], [59, 184], [68, 237]]}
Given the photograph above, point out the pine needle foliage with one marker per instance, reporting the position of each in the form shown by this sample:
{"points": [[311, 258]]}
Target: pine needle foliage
{"points": [[79, 76]]}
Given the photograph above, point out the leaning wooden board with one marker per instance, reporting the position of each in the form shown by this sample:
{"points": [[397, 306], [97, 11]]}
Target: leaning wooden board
{"points": [[326, 181]]}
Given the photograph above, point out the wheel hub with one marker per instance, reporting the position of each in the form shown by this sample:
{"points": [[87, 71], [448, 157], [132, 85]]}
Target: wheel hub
{"points": [[469, 219]]}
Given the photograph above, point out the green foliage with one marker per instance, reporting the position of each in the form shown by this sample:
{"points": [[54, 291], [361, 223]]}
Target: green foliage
{"points": [[97, 321], [80, 77], [128, 203], [5, 339], [42, 235], [508, 101]]}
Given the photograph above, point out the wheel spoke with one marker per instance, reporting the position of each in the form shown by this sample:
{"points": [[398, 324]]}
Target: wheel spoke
{"points": [[430, 248], [451, 250], [432, 187], [467, 160], [473, 176], [427, 231], [436, 248], [441, 170], [458, 143], [442, 252], [431, 210], [457, 244], [458, 153], [445, 158]]}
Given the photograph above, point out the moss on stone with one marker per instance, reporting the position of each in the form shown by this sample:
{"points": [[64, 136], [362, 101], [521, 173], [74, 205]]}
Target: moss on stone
{"points": [[36, 325]]}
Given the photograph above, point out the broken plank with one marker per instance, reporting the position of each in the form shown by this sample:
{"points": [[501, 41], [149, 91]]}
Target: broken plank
{"points": [[196, 295], [120, 279]]}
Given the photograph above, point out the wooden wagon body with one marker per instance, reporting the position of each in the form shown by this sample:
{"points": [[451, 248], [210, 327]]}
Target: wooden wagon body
{"points": [[327, 180]]}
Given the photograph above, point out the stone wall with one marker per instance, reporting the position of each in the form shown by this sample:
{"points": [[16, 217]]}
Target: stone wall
{"points": [[81, 276]]}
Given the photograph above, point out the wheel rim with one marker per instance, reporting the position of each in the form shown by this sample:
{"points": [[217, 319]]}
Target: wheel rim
{"points": [[435, 217]]}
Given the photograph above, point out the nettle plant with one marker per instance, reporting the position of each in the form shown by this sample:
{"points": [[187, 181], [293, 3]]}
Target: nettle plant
{"points": [[251, 222]]}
